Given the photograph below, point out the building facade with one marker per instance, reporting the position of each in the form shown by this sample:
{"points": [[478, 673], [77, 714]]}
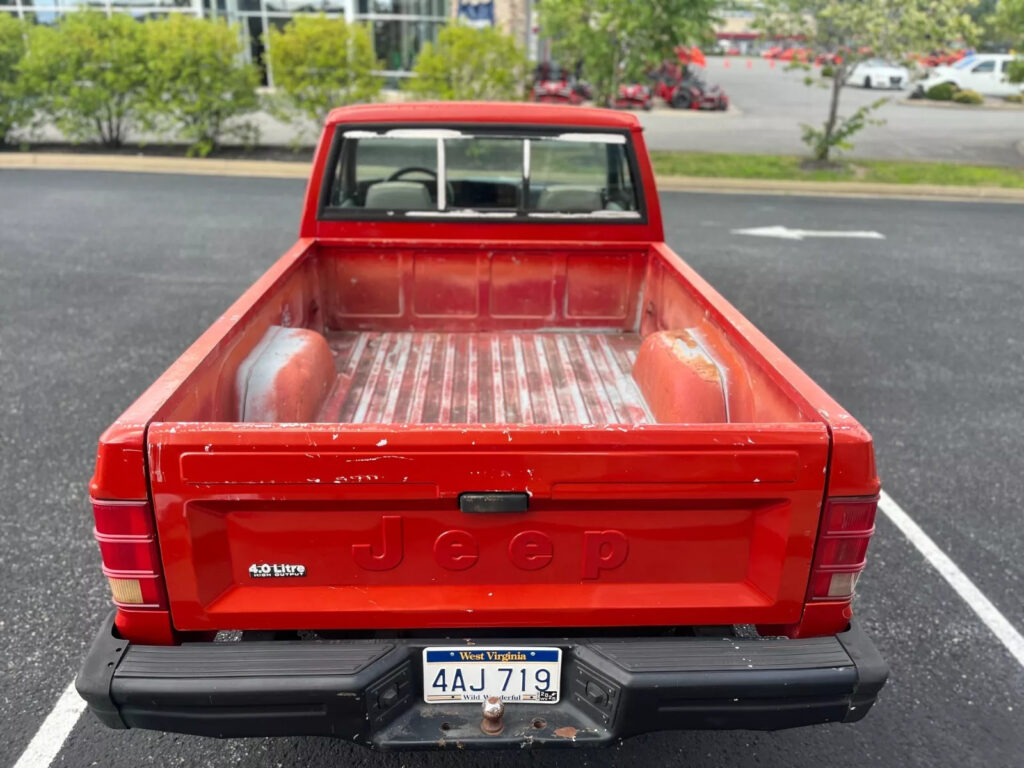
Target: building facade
{"points": [[398, 27]]}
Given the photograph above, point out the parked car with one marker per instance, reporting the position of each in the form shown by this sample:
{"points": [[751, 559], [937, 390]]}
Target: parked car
{"points": [[878, 73], [481, 462], [802, 55], [985, 73], [940, 58]]}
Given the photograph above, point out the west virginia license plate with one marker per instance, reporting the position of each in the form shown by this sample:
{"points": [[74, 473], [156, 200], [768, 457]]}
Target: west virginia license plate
{"points": [[472, 673]]}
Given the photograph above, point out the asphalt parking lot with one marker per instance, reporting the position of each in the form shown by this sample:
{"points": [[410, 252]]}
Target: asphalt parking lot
{"points": [[106, 278], [771, 103]]}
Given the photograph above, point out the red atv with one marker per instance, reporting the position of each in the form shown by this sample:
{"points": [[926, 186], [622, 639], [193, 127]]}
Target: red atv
{"points": [[555, 92], [556, 85], [634, 96], [682, 88]]}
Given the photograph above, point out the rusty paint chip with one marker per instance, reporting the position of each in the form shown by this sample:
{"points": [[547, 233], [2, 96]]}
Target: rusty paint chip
{"points": [[567, 732]]}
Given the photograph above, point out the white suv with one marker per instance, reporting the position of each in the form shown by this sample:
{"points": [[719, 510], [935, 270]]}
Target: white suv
{"points": [[985, 73]]}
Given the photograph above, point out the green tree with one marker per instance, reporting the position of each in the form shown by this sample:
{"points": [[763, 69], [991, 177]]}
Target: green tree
{"points": [[889, 29], [197, 81], [617, 40], [15, 101], [472, 64], [1008, 24], [320, 63], [90, 72]]}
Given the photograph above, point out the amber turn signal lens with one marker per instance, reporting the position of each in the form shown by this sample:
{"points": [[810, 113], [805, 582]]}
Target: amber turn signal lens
{"points": [[126, 590]]}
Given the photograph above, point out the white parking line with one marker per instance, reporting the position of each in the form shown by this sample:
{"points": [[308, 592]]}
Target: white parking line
{"points": [[55, 729], [958, 580]]}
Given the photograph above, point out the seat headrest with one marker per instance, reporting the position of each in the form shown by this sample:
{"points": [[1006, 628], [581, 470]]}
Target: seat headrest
{"points": [[398, 196], [570, 198]]}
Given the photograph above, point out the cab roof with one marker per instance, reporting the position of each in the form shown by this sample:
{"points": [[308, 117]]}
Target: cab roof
{"points": [[502, 113]]}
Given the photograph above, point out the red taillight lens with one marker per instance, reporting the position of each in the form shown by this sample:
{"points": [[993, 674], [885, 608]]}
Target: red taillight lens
{"points": [[131, 563], [850, 516], [848, 550], [842, 547]]}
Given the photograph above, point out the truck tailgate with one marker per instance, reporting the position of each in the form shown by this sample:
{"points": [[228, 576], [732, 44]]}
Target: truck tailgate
{"points": [[320, 527]]}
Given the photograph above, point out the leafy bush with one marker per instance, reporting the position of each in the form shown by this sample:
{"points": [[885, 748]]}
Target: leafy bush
{"points": [[1015, 72], [196, 81], [473, 64], [827, 70], [967, 96], [320, 63], [91, 76], [941, 92], [1015, 98], [15, 101], [823, 142]]}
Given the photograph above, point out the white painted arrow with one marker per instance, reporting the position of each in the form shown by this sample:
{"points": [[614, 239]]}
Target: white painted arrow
{"points": [[785, 233]]}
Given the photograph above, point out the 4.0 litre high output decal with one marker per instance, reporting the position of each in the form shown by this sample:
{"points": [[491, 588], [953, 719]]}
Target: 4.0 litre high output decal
{"points": [[276, 570]]}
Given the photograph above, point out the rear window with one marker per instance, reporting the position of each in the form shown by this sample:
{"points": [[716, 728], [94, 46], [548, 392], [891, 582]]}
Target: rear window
{"points": [[445, 172]]}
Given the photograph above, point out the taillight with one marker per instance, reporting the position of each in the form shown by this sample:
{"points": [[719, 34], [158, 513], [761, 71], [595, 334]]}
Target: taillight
{"points": [[842, 547], [131, 563]]}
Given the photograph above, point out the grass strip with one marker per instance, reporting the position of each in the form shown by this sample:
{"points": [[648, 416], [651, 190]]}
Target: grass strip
{"points": [[790, 168]]}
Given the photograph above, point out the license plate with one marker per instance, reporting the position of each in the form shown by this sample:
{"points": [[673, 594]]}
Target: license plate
{"points": [[471, 673]]}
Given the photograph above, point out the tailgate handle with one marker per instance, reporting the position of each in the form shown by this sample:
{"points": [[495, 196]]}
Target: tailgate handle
{"points": [[487, 503]]}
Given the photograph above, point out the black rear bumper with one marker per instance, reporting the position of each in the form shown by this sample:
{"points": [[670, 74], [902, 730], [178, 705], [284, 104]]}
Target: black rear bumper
{"points": [[369, 691]]}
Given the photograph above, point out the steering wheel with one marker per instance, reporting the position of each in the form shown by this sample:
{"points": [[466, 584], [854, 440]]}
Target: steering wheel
{"points": [[411, 169], [449, 189]]}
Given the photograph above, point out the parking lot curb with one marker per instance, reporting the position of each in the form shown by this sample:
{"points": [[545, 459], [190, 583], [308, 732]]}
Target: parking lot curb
{"points": [[858, 189], [990, 103], [276, 169], [69, 161]]}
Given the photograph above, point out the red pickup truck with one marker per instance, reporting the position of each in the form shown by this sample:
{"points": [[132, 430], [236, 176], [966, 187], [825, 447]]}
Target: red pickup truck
{"points": [[481, 462]]}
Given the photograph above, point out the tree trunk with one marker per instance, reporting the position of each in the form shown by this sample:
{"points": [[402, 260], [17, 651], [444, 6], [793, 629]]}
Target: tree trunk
{"points": [[605, 97], [830, 125]]}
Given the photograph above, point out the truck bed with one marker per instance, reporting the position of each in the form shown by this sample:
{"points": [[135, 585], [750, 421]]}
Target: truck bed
{"points": [[557, 377]]}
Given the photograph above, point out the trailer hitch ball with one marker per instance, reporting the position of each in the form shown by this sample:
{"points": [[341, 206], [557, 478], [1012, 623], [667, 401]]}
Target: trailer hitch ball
{"points": [[494, 710]]}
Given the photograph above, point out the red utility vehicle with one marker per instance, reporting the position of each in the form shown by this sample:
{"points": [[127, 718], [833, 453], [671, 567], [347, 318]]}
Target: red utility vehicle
{"points": [[634, 96], [481, 438], [556, 92], [553, 84], [684, 87]]}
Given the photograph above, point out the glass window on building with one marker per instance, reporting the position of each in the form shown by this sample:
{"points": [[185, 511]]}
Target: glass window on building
{"points": [[50, 11], [398, 27]]}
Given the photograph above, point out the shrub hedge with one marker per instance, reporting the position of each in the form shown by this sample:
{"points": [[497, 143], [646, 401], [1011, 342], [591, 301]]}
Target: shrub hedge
{"points": [[320, 63], [16, 107], [967, 96], [100, 79], [941, 92], [468, 63]]}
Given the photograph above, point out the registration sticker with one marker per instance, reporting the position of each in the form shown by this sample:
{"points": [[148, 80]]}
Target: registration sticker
{"points": [[474, 674]]}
